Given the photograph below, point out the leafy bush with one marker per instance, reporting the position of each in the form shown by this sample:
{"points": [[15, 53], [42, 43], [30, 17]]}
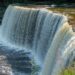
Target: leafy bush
{"points": [[70, 70]]}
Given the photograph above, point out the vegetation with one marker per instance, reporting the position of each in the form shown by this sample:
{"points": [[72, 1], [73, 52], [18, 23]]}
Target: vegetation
{"points": [[41, 2], [70, 70], [35, 68]]}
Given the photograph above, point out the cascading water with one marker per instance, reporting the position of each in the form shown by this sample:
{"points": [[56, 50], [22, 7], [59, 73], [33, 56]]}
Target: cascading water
{"points": [[30, 29], [34, 31], [61, 48]]}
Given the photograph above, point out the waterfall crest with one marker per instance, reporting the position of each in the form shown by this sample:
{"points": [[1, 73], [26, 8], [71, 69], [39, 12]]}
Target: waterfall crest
{"points": [[45, 34]]}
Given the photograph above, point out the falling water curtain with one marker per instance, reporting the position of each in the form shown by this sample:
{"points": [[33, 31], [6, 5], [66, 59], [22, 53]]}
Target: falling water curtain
{"points": [[36, 32], [62, 47]]}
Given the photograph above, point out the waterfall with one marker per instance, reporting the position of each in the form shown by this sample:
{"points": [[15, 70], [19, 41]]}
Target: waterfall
{"points": [[30, 29], [58, 54], [46, 35]]}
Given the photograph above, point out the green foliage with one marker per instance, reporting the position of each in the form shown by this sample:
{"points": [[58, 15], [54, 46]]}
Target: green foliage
{"points": [[35, 68], [69, 70]]}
